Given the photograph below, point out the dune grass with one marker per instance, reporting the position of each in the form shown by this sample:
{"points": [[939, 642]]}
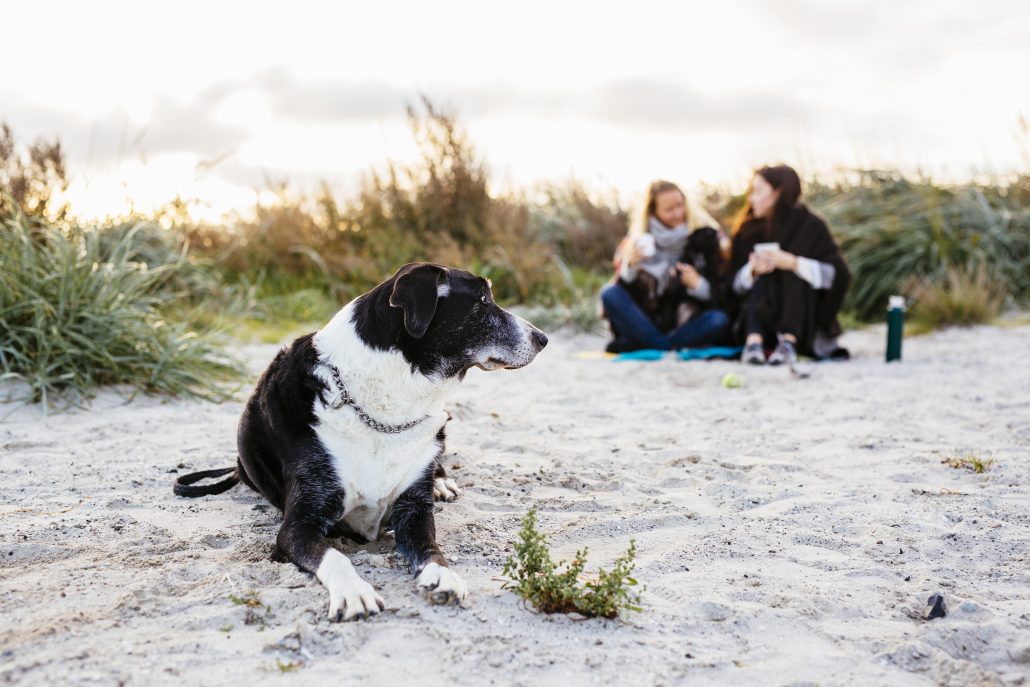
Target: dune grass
{"points": [[79, 310], [441, 208], [962, 299], [958, 252]]}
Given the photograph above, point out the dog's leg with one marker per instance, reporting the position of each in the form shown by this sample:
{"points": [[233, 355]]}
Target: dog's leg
{"points": [[415, 532], [444, 488], [349, 595]]}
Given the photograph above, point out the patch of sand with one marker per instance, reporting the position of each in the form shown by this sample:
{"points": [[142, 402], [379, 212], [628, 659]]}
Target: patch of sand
{"points": [[788, 531]]}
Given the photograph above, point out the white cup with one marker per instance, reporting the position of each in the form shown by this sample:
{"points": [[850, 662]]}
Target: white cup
{"points": [[763, 248], [645, 242]]}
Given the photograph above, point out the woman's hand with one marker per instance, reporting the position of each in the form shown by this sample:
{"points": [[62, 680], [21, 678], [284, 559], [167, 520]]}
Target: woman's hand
{"points": [[782, 260], [632, 253], [689, 276], [760, 264]]}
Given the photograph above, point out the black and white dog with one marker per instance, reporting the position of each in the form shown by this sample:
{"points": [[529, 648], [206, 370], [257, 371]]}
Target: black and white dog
{"points": [[345, 430]]}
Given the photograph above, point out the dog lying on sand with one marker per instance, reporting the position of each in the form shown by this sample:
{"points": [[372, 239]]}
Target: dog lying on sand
{"points": [[345, 430]]}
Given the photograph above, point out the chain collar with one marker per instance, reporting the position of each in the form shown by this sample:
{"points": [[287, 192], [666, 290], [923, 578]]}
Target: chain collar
{"points": [[343, 398]]}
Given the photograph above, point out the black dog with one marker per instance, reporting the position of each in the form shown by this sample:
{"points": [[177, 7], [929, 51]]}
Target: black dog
{"points": [[345, 430], [703, 253]]}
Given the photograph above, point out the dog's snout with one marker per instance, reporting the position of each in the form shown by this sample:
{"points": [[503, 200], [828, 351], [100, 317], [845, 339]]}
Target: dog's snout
{"points": [[539, 338]]}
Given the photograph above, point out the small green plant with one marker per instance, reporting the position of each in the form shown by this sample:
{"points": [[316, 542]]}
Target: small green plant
{"points": [[970, 461], [288, 667], [249, 599], [252, 604], [550, 589]]}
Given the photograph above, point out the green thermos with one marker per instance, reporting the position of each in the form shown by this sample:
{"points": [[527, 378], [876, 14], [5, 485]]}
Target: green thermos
{"points": [[895, 325]]}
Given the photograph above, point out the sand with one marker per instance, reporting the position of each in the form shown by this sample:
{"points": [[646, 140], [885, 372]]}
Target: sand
{"points": [[789, 531]]}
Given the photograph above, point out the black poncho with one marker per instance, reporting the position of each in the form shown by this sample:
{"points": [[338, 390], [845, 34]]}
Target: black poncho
{"points": [[802, 233]]}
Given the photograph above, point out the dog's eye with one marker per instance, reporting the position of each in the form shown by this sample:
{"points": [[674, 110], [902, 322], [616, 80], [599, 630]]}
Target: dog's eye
{"points": [[484, 299]]}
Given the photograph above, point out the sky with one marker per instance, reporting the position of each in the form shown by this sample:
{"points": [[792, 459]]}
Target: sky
{"points": [[214, 100]]}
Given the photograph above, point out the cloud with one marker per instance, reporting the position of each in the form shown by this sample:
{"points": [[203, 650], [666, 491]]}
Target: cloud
{"points": [[189, 127], [638, 103], [648, 105], [671, 107], [823, 22], [330, 102], [112, 137]]}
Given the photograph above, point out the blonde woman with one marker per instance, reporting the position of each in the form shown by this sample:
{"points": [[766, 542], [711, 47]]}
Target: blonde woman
{"points": [[664, 295]]}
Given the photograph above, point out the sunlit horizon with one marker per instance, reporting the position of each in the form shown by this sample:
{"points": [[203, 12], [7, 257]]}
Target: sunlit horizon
{"points": [[212, 106]]}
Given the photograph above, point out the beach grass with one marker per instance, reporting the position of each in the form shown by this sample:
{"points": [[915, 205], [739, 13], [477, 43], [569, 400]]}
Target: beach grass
{"points": [[971, 462], [79, 310], [960, 253]]}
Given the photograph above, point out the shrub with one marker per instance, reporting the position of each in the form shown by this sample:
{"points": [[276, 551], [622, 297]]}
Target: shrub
{"points": [[898, 233], [541, 582], [78, 311], [963, 299], [584, 229], [438, 208], [30, 182], [577, 301]]}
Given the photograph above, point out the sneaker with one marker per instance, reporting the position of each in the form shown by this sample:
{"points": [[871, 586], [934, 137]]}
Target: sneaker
{"points": [[754, 354], [784, 354]]}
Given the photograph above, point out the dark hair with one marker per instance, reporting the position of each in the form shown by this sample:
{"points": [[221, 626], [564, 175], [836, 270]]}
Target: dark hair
{"points": [[783, 179]]}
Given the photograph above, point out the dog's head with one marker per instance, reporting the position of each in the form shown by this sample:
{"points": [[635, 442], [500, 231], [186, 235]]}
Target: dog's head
{"points": [[702, 249], [444, 321], [704, 240]]}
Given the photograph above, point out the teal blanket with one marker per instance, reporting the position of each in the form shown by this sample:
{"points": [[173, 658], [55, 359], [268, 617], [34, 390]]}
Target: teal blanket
{"points": [[723, 352]]}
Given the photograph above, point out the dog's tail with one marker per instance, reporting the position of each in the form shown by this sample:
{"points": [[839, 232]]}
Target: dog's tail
{"points": [[182, 487]]}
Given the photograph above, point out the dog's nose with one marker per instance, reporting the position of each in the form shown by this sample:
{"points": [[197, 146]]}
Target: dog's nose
{"points": [[539, 338]]}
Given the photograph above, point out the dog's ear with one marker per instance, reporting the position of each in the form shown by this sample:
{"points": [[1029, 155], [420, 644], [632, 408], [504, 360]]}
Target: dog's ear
{"points": [[704, 240], [415, 291]]}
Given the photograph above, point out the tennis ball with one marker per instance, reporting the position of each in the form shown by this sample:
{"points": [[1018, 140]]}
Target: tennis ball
{"points": [[732, 381]]}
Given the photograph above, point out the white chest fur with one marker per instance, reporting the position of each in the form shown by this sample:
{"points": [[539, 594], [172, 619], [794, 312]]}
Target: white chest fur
{"points": [[374, 468]]}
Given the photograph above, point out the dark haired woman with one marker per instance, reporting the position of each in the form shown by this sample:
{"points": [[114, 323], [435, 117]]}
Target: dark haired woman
{"points": [[663, 296], [788, 273]]}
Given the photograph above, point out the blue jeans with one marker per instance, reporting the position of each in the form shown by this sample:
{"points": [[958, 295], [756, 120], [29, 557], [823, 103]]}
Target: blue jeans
{"points": [[709, 328]]}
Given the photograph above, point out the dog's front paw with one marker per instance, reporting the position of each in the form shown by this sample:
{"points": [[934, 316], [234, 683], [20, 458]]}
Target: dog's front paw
{"points": [[353, 599], [441, 585], [445, 489], [349, 595]]}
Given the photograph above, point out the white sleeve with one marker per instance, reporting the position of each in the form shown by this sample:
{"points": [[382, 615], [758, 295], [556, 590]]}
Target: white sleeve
{"points": [[703, 290], [627, 273], [819, 274], [744, 280]]}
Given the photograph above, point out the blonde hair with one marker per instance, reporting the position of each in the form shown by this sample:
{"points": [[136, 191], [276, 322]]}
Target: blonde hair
{"points": [[697, 217]]}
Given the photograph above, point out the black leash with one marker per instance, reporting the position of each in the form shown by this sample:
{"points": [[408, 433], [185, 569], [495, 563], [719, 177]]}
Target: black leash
{"points": [[182, 487]]}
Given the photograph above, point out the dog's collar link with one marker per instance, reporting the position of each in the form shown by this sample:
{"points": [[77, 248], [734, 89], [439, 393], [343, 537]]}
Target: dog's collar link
{"points": [[343, 398]]}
